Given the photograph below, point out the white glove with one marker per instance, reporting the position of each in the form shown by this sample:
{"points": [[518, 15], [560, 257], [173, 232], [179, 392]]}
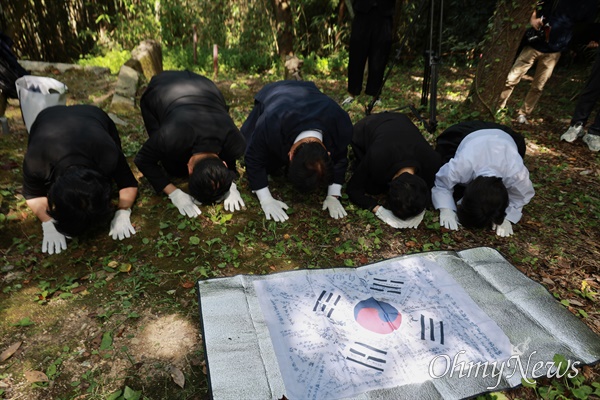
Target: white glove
{"points": [[120, 226], [271, 207], [184, 203], [448, 219], [413, 222], [388, 217], [504, 229], [54, 241], [336, 209], [233, 201]]}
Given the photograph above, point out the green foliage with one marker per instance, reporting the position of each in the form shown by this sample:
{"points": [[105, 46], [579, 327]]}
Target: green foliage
{"points": [[565, 382], [112, 59], [132, 20], [334, 65]]}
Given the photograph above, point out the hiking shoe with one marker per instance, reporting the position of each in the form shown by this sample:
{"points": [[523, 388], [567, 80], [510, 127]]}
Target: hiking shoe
{"points": [[348, 100], [573, 133], [593, 142], [522, 119]]}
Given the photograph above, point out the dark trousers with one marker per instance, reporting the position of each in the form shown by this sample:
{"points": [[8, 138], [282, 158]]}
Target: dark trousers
{"points": [[370, 39], [588, 98], [449, 140]]}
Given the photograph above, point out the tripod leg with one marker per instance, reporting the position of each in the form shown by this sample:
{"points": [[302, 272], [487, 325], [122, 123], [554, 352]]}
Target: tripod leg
{"points": [[426, 80], [433, 98]]}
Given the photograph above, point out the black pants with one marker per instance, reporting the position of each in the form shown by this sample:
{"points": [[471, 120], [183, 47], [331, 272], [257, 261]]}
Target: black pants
{"points": [[588, 99], [370, 39], [447, 142]]}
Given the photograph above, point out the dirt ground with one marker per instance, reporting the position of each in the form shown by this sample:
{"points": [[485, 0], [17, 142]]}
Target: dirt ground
{"points": [[121, 318]]}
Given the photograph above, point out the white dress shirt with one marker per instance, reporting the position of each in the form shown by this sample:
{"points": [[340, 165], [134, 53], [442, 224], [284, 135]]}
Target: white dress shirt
{"points": [[486, 152]]}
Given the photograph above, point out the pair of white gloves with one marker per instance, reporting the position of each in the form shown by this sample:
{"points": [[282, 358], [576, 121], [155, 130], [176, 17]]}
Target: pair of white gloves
{"points": [[54, 242], [187, 205], [449, 220], [389, 218], [275, 209]]}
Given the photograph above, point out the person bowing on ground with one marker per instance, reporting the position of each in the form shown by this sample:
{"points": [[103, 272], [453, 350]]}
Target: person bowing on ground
{"points": [[294, 125], [190, 135], [391, 156], [483, 183], [73, 154]]}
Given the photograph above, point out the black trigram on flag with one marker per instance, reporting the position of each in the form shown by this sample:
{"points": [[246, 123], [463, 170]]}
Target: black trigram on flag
{"points": [[326, 303], [428, 330], [367, 356], [387, 285]]}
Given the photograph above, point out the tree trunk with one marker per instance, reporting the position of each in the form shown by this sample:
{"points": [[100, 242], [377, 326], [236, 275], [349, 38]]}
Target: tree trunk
{"points": [[508, 24], [285, 35]]}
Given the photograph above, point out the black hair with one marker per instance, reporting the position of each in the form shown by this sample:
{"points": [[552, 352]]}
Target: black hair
{"points": [[311, 167], [408, 195], [210, 180], [484, 203], [79, 198]]}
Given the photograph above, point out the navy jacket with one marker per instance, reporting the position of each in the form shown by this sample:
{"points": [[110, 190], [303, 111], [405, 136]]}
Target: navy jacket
{"points": [[284, 109]]}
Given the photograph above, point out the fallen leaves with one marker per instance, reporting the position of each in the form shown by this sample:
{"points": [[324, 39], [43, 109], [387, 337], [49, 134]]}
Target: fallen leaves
{"points": [[36, 376], [6, 354], [188, 284], [177, 376]]}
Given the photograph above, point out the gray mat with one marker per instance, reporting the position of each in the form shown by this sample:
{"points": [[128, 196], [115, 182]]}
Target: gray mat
{"points": [[243, 362]]}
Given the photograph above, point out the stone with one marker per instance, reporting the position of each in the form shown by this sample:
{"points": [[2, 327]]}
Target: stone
{"points": [[147, 56], [123, 101]]}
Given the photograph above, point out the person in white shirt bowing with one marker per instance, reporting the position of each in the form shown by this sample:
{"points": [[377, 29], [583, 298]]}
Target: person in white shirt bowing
{"points": [[484, 182]]}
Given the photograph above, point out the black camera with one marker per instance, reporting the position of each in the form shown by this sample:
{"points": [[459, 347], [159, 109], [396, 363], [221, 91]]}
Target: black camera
{"points": [[532, 35]]}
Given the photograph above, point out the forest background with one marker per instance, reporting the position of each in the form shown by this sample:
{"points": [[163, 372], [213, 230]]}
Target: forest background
{"points": [[119, 320]]}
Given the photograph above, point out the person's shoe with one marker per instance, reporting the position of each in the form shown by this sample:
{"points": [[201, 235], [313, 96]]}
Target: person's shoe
{"points": [[522, 119], [348, 100], [593, 142], [573, 133]]}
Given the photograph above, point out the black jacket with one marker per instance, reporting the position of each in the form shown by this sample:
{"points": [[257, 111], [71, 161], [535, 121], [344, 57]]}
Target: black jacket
{"points": [[383, 144], [63, 136], [382, 7], [184, 114]]}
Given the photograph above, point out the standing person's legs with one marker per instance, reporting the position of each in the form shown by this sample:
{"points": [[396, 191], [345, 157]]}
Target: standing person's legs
{"points": [[588, 97], [379, 51], [543, 71], [522, 64], [359, 51]]}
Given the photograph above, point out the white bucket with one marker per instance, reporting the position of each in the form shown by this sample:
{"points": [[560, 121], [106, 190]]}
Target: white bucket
{"points": [[37, 93]]}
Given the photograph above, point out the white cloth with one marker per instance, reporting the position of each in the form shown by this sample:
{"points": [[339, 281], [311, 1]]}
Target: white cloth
{"points": [[307, 134], [317, 329], [487, 152], [335, 189]]}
